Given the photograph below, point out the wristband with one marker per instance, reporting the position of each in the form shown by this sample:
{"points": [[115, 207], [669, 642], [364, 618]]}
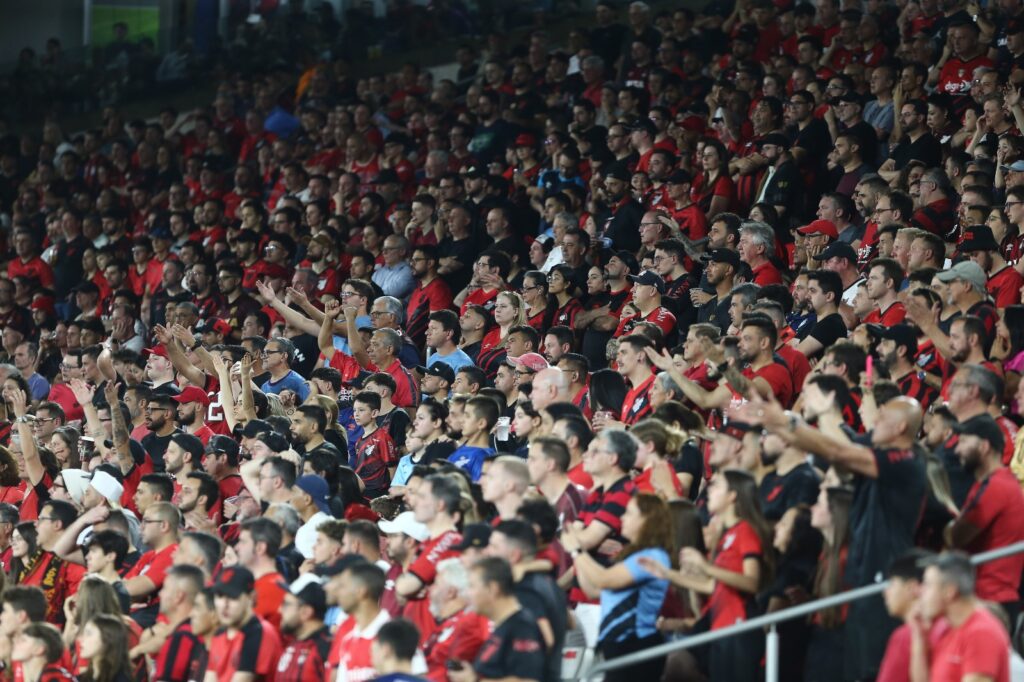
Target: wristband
{"points": [[195, 345], [722, 367]]}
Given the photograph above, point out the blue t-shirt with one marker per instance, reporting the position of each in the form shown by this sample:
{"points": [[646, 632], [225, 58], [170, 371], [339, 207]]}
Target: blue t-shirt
{"points": [[341, 343], [292, 381], [456, 359], [471, 459], [399, 677], [632, 612]]}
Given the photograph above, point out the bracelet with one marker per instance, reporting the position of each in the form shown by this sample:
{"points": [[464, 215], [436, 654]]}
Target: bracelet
{"points": [[23, 419]]}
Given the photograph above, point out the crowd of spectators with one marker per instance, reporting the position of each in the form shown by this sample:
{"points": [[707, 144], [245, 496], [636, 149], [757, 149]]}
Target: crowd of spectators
{"points": [[694, 318]]}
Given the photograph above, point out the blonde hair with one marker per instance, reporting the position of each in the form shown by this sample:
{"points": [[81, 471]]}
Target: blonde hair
{"points": [[668, 441]]}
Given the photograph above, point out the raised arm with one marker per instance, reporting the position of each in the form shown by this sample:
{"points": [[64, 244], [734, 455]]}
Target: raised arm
{"points": [[122, 446], [699, 396], [292, 317], [325, 337], [33, 465], [355, 341], [176, 355]]}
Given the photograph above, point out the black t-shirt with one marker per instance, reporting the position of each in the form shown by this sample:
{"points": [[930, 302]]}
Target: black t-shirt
{"points": [[465, 251], [779, 493], [438, 451], [539, 594], [515, 647], [925, 149], [397, 422], [828, 330], [815, 140], [690, 461], [884, 514], [156, 446]]}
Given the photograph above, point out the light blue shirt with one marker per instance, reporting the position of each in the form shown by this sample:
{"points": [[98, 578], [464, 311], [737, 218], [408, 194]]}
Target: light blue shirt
{"points": [[341, 343], [292, 381], [395, 280], [457, 359]]}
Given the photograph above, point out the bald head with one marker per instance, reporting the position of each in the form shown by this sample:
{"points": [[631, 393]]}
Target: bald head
{"points": [[550, 385], [899, 422]]}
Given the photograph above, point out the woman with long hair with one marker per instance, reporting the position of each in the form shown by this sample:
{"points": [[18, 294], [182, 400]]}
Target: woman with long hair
{"points": [[64, 446], [95, 597], [24, 552], [11, 489], [509, 311], [1009, 347], [104, 642], [713, 190], [607, 392], [631, 592], [738, 568], [526, 424], [539, 311], [831, 516], [659, 445]]}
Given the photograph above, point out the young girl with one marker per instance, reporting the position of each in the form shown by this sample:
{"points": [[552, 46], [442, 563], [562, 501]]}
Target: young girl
{"points": [[526, 425], [427, 444], [104, 641], [738, 567]]}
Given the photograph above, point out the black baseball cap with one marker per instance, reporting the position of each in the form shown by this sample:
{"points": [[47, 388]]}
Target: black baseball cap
{"points": [[727, 256], [234, 581], [629, 259], [902, 334], [838, 250], [225, 444], [679, 177], [985, 427], [474, 535], [618, 171], [777, 139], [439, 370], [651, 279], [978, 238]]}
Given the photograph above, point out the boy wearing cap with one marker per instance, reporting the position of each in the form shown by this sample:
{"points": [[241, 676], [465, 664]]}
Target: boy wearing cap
{"points": [[245, 645], [192, 404]]}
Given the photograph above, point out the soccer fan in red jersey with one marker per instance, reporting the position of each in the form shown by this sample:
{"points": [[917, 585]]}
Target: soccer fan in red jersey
{"points": [[28, 263], [648, 289], [634, 365], [160, 526], [548, 463], [431, 294], [756, 248], [897, 352], [182, 655], [435, 504], [936, 212], [515, 648], [490, 271], [1004, 281], [221, 462], [57, 578], [357, 591], [302, 618], [374, 451], [576, 433], [38, 654], [974, 644], [955, 71], [885, 276], [460, 631], [259, 543], [756, 368], [246, 647], [990, 516]]}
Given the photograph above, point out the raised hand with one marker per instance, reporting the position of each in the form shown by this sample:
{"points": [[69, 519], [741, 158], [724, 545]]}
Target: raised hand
{"points": [[662, 360], [162, 334], [112, 392], [83, 391], [182, 334], [296, 296], [247, 362], [18, 400]]}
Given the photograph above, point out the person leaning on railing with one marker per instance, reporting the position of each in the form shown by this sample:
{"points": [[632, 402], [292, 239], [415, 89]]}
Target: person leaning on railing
{"points": [[633, 588]]}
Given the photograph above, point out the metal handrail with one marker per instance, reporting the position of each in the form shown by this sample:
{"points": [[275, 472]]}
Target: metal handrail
{"points": [[770, 621]]}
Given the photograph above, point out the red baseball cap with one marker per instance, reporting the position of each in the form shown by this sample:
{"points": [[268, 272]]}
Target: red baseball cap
{"points": [[215, 324], [156, 350], [820, 227], [192, 394]]}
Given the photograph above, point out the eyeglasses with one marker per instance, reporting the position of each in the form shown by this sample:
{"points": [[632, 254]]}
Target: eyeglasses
{"points": [[378, 313], [651, 224], [268, 353], [1008, 204], [145, 521], [46, 518]]}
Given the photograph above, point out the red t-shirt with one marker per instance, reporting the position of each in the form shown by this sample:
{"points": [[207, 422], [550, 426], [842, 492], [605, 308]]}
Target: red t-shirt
{"points": [[894, 314], [799, 367], [458, 638], [154, 565], [35, 267], [253, 649], [956, 75], [65, 397], [1004, 286], [765, 274], [480, 297], [728, 605], [269, 595], [660, 316], [778, 377], [995, 506], [432, 552], [407, 393], [980, 646], [35, 497], [638, 402], [57, 587], [350, 650]]}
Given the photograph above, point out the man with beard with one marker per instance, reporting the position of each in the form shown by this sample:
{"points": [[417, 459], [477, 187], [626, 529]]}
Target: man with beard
{"points": [[824, 292], [180, 459], [897, 351], [192, 404], [621, 225], [721, 266], [756, 368], [221, 462], [182, 652], [237, 305], [160, 413], [1004, 282], [199, 280], [788, 479], [966, 283], [431, 294], [990, 517], [244, 247], [967, 344], [302, 621], [200, 501], [246, 645], [308, 425]]}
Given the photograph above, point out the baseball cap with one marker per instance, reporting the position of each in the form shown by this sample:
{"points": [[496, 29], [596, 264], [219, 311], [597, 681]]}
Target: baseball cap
{"points": [[535, 362], [76, 481], [727, 256], [968, 271], [1015, 167], [651, 279], [629, 259], [311, 594], [255, 427], [234, 581], [902, 334], [225, 444], [190, 444], [820, 227], [192, 394], [679, 177], [474, 172], [985, 427], [439, 370], [646, 125], [341, 564], [777, 139], [474, 535], [216, 325], [525, 140], [405, 523], [156, 350], [618, 171], [978, 238], [838, 250], [107, 486], [316, 487]]}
